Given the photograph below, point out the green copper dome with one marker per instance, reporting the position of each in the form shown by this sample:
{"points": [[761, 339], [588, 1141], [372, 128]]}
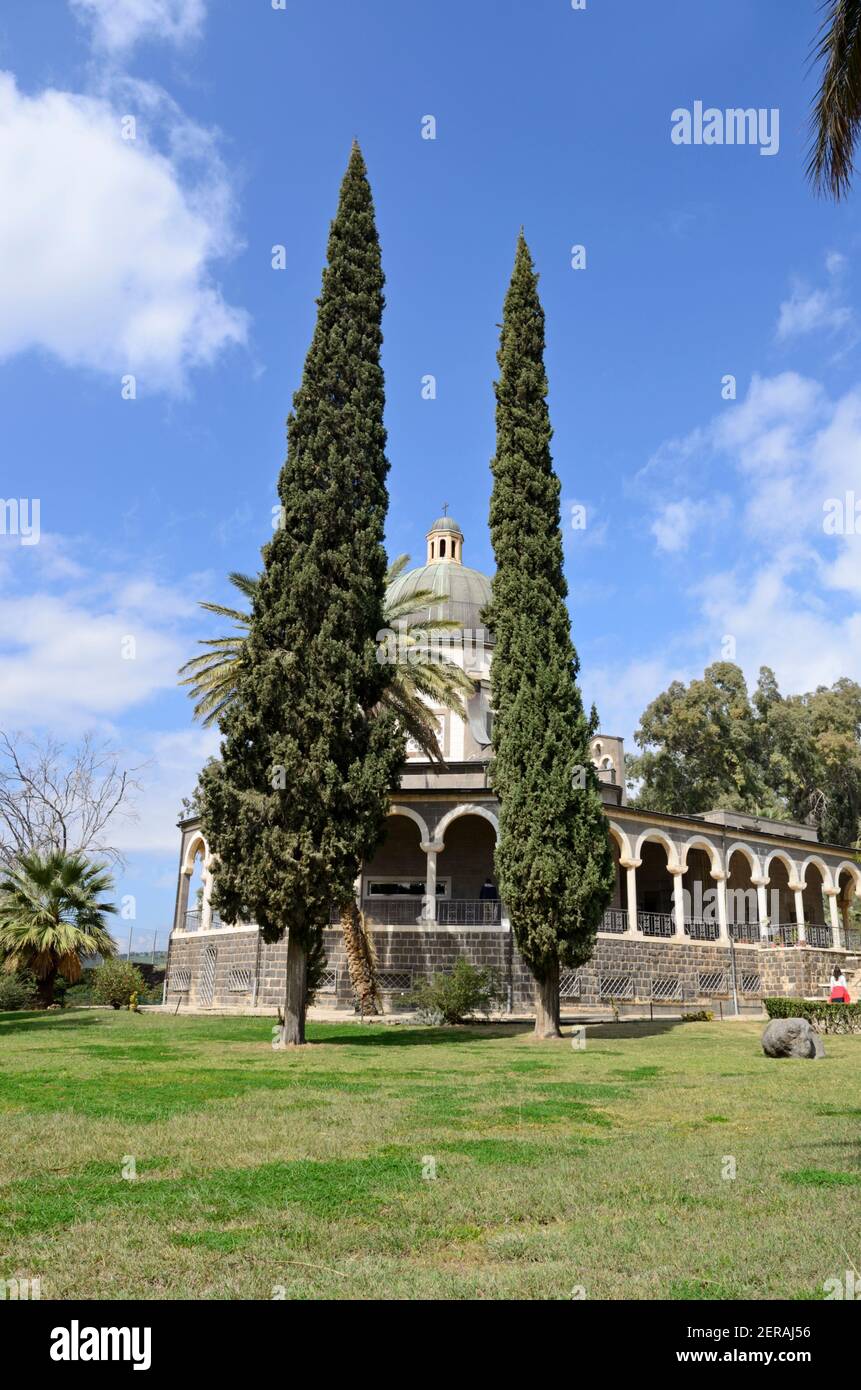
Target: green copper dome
{"points": [[462, 592]]}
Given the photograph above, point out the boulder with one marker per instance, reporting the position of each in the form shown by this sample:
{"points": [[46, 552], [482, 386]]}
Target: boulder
{"points": [[791, 1037]]}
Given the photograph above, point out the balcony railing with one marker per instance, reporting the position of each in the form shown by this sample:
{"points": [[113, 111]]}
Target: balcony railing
{"points": [[468, 912], [852, 939], [656, 923], [615, 920], [699, 930], [400, 910], [192, 921], [745, 931], [818, 935], [784, 933]]}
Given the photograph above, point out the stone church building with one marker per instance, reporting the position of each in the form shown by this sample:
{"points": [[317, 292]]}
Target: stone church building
{"points": [[710, 907]]}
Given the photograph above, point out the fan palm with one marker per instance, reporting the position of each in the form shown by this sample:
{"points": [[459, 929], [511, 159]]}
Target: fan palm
{"points": [[836, 115], [51, 914], [421, 676], [213, 676]]}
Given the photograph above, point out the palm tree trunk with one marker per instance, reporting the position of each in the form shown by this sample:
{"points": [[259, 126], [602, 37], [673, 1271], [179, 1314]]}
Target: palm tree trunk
{"points": [[547, 1004], [295, 994], [45, 990], [361, 961]]}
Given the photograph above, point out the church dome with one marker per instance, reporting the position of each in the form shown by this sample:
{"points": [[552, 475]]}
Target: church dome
{"points": [[461, 592]]}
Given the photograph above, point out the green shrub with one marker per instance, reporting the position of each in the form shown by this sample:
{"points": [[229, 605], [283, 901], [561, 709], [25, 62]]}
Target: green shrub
{"points": [[701, 1016], [17, 991], [115, 981], [833, 1018], [453, 997]]}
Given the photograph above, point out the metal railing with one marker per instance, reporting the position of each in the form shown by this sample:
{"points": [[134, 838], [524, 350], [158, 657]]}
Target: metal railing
{"points": [[397, 911], [656, 923], [615, 920], [469, 912], [818, 935], [745, 931], [699, 930], [192, 921], [783, 933]]}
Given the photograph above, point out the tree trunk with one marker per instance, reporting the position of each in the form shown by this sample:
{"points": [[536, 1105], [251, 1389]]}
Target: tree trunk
{"points": [[547, 1003], [45, 990], [360, 959], [295, 994]]}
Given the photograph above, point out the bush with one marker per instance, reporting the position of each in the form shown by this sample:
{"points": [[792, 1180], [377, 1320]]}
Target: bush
{"points": [[833, 1018], [115, 981], [701, 1016], [17, 991], [452, 998]]}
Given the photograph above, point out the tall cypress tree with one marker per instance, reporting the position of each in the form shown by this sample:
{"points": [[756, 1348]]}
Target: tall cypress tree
{"points": [[300, 793], [554, 861]]}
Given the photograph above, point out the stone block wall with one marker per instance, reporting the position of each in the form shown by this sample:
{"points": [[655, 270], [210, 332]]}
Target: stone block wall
{"points": [[619, 966]]}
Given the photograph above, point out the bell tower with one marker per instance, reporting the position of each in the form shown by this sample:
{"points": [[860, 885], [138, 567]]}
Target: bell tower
{"points": [[445, 541]]}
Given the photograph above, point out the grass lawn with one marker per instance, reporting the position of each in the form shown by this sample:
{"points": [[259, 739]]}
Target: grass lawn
{"points": [[555, 1168]]}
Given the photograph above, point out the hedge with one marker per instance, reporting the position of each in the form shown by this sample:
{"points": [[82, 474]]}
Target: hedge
{"points": [[833, 1018]]}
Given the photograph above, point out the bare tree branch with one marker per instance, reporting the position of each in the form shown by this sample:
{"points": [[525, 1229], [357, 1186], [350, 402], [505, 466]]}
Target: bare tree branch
{"points": [[54, 796]]}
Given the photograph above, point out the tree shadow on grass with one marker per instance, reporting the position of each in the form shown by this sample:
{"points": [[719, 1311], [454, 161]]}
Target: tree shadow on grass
{"points": [[388, 1035], [637, 1028], [26, 1022]]}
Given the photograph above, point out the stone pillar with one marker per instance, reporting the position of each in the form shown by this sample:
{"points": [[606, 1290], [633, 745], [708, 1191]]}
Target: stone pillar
{"points": [[723, 920], [798, 890], [678, 900], [836, 934], [631, 866], [206, 905], [761, 885], [431, 849]]}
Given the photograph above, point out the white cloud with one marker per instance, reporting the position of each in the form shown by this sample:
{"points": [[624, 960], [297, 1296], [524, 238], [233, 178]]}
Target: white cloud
{"points": [[810, 310], [172, 761], [780, 618], [119, 24], [676, 522], [106, 249]]}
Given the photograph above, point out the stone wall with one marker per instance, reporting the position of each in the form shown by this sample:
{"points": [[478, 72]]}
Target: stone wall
{"points": [[620, 968]]}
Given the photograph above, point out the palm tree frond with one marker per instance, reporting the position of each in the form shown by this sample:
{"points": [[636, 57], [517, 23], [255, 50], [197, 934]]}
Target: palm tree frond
{"points": [[836, 115]]}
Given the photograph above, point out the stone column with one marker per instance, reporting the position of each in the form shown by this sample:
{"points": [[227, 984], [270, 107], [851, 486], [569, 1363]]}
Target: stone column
{"points": [[431, 849], [206, 905], [836, 935], [798, 890], [678, 900], [723, 920], [631, 866], [761, 885]]}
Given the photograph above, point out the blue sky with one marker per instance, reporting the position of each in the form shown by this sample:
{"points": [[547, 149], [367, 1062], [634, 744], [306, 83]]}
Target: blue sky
{"points": [[152, 257]]}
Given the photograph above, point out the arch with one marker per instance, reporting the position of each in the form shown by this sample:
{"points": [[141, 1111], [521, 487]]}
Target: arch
{"points": [[789, 864], [598, 749], [424, 833], [824, 871], [753, 859], [661, 839], [700, 842], [469, 809], [853, 870], [621, 840], [196, 845]]}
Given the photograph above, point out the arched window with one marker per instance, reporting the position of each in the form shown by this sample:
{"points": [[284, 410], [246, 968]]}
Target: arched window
{"points": [[441, 549]]}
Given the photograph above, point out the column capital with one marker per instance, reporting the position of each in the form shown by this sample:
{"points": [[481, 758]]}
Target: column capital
{"points": [[677, 869], [432, 846], [630, 863], [759, 882], [831, 892]]}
